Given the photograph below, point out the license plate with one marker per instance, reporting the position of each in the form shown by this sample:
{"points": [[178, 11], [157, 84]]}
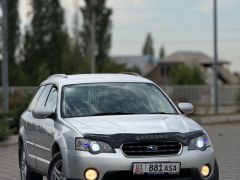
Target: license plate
{"points": [[156, 168]]}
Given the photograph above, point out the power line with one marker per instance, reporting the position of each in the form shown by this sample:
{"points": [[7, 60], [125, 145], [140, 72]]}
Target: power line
{"points": [[181, 42], [177, 29]]}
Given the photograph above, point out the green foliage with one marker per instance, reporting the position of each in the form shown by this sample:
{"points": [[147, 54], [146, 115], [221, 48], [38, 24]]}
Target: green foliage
{"points": [[103, 25], [162, 53], [45, 41], [14, 116], [4, 129], [47, 47], [18, 104], [111, 67], [73, 60], [182, 75], [13, 38], [148, 48]]}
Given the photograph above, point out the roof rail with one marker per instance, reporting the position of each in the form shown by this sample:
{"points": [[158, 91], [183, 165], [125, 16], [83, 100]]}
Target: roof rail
{"points": [[57, 75], [131, 73]]}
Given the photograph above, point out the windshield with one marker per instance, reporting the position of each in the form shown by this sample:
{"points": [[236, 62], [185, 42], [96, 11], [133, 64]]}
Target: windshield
{"points": [[113, 99]]}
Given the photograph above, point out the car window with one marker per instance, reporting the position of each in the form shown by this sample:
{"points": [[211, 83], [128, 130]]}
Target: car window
{"points": [[52, 99], [43, 97], [110, 98], [35, 98]]}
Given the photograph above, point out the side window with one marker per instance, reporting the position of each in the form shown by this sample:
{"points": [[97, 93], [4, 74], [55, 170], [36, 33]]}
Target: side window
{"points": [[52, 99], [35, 98], [42, 99]]}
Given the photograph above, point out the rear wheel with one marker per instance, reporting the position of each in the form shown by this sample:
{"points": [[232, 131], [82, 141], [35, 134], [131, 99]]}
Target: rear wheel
{"points": [[216, 171], [56, 171], [25, 171]]}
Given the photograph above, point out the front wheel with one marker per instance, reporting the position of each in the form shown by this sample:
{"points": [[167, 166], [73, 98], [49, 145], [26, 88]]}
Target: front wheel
{"points": [[25, 171], [55, 171]]}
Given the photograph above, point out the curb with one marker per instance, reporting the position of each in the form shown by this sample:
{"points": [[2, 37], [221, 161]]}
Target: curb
{"points": [[218, 119]]}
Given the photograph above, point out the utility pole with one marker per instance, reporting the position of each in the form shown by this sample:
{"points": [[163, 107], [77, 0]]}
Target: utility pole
{"points": [[215, 22], [93, 39], [5, 56]]}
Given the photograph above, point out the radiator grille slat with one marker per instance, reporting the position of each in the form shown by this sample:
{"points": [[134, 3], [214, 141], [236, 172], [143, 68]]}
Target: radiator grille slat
{"points": [[151, 148]]}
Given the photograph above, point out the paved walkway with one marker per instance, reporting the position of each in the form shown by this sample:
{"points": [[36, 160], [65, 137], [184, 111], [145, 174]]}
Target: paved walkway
{"points": [[226, 139], [9, 161]]}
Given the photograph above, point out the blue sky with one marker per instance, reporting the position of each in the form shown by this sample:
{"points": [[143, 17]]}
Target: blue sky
{"points": [[176, 24]]}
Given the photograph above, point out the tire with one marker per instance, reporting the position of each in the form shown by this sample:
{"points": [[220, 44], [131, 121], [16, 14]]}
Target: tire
{"points": [[25, 171], [56, 170], [216, 171]]}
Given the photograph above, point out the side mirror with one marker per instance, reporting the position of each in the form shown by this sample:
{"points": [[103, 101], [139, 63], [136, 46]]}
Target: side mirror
{"points": [[186, 108], [42, 113]]}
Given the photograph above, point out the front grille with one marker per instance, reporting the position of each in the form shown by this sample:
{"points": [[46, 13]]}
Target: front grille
{"points": [[151, 148]]}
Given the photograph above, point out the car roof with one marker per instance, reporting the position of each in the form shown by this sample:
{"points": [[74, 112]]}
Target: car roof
{"points": [[62, 79]]}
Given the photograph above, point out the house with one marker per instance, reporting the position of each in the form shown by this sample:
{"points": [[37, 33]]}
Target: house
{"points": [[143, 63], [160, 74]]}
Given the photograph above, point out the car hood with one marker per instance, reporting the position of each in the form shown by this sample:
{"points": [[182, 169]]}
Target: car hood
{"points": [[135, 124]]}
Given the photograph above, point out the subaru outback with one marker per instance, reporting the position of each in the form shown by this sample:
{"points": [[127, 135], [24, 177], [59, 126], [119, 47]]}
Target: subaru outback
{"points": [[111, 126]]}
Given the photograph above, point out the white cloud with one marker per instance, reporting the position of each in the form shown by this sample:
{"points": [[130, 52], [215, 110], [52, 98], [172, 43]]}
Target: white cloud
{"points": [[24, 13], [70, 4], [119, 3], [138, 2], [206, 6]]}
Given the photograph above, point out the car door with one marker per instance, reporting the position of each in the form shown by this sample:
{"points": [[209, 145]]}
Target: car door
{"points": [[30, 128], [45, 133], [35, 122]]}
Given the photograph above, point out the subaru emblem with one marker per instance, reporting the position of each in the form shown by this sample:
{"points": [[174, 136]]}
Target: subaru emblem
{"points": [[152, 148]]}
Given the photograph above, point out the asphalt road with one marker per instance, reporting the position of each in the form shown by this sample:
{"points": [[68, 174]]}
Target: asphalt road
{"points": [[226, 139]]}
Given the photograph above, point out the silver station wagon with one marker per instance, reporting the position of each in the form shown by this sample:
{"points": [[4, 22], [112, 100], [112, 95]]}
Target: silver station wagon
{"points": [[111, 126]]}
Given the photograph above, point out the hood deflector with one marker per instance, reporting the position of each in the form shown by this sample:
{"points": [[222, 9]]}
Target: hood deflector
{"points": [[116, 140]]}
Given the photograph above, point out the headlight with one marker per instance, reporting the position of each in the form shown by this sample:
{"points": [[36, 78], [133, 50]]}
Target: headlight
{"points": [[94, 147], [200, 143]]}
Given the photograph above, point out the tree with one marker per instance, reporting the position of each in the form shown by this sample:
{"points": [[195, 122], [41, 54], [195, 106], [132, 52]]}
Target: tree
{"points": [[183, 74], [162, 52], [45, 41], [13, 39], [103, 26], [148, 48], [73, 60]]}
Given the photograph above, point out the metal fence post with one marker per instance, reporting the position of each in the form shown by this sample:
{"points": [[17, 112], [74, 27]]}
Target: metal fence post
{"points": [[5, 103]]}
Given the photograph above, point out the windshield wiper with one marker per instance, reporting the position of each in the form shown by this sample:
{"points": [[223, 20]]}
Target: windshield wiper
{"points": [[160, 113], [111, 113], [123, 113]]}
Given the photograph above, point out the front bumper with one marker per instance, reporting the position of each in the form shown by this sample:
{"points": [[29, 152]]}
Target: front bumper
{"points": [[116, 165]]}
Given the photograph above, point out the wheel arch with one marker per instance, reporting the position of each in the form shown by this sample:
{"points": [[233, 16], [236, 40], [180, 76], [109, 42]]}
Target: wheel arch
{"points": [[55, 148], [20, 144]]}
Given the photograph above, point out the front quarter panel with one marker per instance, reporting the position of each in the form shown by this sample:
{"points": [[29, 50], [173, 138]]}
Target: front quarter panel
{"points": [[66, 136], [66, 141]]}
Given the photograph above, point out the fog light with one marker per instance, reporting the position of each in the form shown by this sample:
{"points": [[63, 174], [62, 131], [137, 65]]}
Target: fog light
{"points": [[91, 174], [205, 171]]}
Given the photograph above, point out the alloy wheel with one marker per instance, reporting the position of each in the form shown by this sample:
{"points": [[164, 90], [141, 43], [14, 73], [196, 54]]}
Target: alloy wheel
{"points": [[23, 166], [57, 171]]}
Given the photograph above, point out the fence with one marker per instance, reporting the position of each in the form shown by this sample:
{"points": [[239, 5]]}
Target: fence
{"points": [[202, 96], [21, 90]]}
